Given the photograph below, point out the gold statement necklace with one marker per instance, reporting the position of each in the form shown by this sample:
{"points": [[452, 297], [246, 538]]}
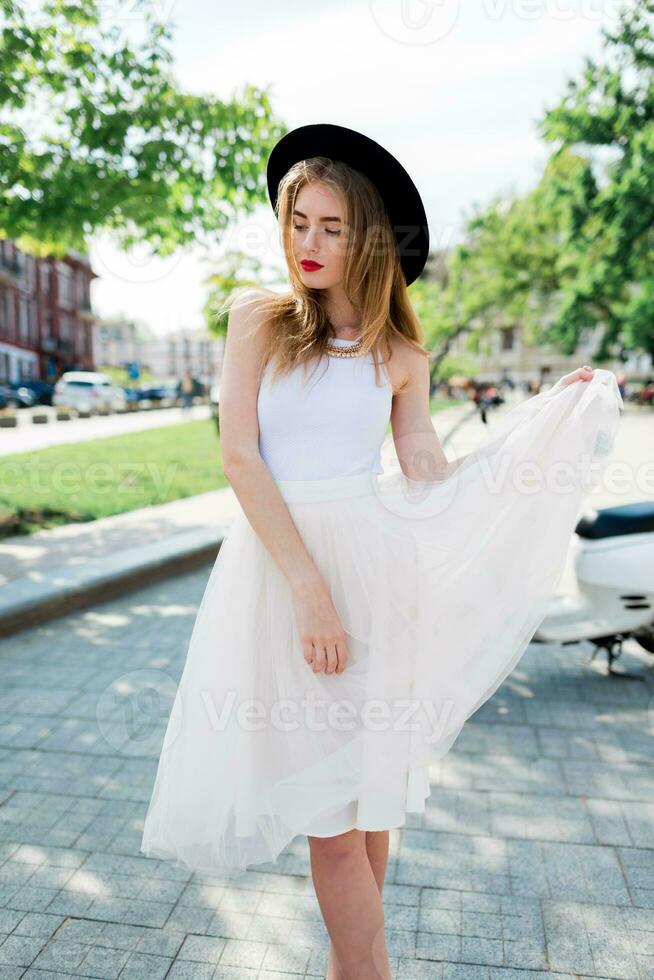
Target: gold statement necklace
{"points": [[352, 350]]}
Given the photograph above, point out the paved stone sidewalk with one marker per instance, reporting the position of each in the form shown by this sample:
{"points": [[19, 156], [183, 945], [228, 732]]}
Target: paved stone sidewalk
{"points": [[535, 857]]}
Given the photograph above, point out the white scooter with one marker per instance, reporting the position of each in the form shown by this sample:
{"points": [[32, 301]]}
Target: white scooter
{"points": [[614, 565]]}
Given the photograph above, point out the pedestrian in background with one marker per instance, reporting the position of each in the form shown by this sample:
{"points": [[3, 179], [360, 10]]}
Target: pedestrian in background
{"points": [[186, 389]]}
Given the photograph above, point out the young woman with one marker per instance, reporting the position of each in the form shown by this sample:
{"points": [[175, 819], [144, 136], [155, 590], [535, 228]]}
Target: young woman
{"points": [[354, 619]]}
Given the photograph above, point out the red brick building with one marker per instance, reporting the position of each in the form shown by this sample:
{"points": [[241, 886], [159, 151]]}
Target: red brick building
{"points": [[45, 315]]}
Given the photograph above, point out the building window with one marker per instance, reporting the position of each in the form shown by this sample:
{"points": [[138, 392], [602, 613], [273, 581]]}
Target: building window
{"points": [[33, 323], [26, 370], [7, 313], [20, 262], [65, 285], [30, 272], [508, 338], [23, 323], [65, 327], [45, 278]]}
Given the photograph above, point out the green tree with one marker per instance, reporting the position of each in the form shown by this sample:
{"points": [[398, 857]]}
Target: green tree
{"points": [[512, 268], [95, 134], [607, 237], [577, 250]]}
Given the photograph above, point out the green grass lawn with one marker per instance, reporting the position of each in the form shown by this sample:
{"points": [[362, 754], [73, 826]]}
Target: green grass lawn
{"points": [[86, 480]]}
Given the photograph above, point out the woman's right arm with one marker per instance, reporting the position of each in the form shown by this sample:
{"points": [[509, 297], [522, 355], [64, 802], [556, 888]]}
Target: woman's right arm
{"points": [[321, 632]]}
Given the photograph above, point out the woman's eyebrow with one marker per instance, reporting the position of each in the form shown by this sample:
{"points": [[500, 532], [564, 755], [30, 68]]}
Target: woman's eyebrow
{"points": [[332, 218]]}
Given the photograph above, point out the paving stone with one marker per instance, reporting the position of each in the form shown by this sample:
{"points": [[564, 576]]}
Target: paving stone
{"points": [[10, 919], [400, 942], [270, 928], [234, 973], [143, 966], [38, 924], [412, 969], [286, 959], [14, 972], [231, 925], [103, 962], [32, 899], [404, 917], [19, 950], [201, 949], [238, 952], [61, 955]]}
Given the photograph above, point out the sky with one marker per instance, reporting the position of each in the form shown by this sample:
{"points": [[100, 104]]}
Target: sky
{"points": [[455, 91]]}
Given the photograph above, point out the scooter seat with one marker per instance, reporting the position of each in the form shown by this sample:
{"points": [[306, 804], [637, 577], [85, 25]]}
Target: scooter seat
{"points": [[609, 522]]}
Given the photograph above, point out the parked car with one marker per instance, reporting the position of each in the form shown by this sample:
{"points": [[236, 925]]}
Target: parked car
{"points": [[88, 389], [16, 397], [132, 394], [155, 393], [41, 391]]}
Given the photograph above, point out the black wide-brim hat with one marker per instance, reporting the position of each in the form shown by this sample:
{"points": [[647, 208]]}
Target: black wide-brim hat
{"points": [[399, 193]]}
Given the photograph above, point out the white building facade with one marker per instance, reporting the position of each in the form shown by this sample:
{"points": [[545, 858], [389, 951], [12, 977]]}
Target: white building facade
{"points": [[119, 341]]}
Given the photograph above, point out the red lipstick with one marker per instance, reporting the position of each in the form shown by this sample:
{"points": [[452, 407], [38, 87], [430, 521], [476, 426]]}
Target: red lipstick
{"points": [[309, 266]]}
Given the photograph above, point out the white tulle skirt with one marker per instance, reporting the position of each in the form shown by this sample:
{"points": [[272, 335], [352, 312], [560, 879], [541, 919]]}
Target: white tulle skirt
{"points": [[439, 586]]}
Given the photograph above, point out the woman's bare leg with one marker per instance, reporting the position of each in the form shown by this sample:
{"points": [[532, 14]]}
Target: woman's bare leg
{"points": [[349, 895], [377, 849]]}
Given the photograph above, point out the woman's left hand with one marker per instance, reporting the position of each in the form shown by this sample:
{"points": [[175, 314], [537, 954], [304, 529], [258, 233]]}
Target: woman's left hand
{"points": [[584, 373]]}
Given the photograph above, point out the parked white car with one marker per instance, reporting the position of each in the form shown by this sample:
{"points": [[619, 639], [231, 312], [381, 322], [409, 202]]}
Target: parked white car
{"points": [[88, 390]]}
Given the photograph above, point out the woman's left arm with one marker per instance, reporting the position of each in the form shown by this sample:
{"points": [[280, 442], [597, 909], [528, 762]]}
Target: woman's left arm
{"points": [[418, 447]]}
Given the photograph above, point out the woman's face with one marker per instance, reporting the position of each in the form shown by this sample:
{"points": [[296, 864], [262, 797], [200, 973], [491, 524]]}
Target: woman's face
{"points": [[319, 236]]}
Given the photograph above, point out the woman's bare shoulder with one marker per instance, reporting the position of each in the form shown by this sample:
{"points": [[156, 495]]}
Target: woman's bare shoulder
{"points": [[250, 297], [407, 360], [254, 290], [248, 310]]}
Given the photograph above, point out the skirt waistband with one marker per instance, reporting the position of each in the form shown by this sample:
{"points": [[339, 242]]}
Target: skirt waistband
{"points": [[329, 488]]}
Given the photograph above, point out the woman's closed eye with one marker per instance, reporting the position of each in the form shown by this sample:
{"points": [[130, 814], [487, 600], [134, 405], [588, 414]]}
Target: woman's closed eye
{"points": [[329, 232]]}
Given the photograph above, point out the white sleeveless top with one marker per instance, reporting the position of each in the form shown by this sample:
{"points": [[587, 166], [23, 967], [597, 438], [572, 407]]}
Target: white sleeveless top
{"points": [[331, 423]]}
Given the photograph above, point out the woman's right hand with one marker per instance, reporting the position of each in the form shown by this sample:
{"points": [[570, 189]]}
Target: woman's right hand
{"points": [[323, 639]]}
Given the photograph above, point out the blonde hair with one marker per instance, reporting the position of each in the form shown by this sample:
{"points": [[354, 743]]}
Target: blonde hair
{"points": [[298, 327]]}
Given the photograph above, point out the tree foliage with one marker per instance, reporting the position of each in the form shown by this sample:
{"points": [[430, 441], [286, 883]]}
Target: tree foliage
{"points": [[96, 134], [608, 227], [577, 251]]}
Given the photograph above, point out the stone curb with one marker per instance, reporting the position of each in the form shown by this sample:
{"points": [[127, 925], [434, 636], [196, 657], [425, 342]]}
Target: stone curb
{"points": [[24, 604]]}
